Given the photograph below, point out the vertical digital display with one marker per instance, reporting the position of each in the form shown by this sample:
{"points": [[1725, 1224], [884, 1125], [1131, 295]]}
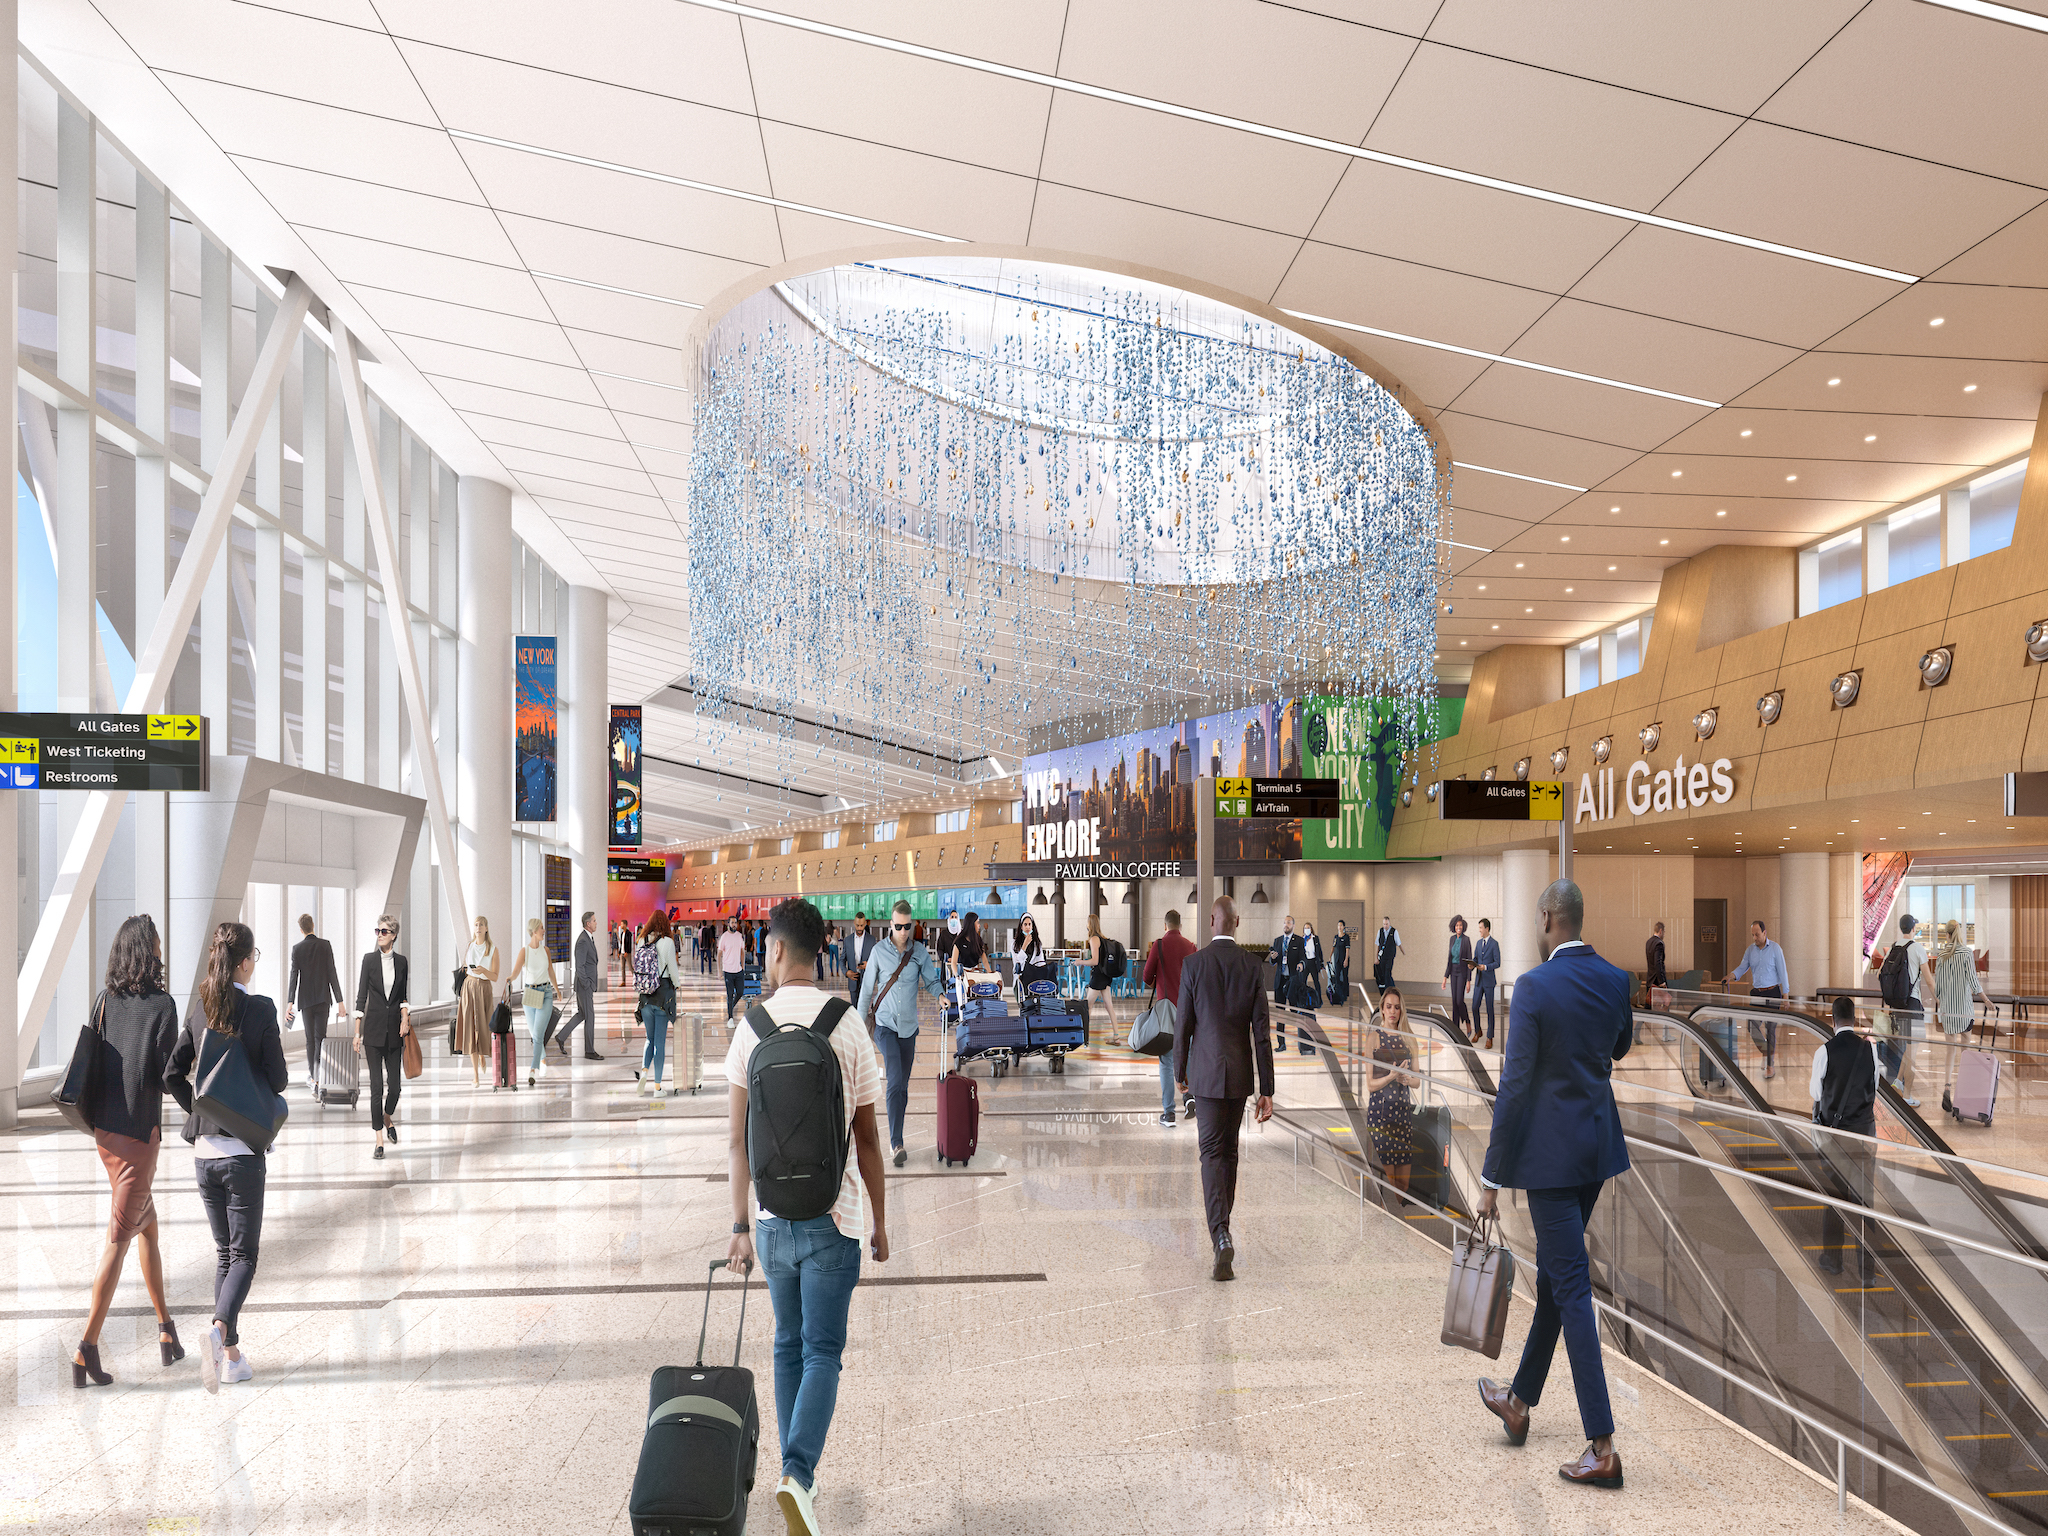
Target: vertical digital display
{"points": [[561, 927], [534, 717], [625, 757]]}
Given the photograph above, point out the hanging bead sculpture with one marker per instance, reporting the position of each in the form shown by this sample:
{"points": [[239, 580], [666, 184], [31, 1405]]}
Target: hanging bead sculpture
{"points": [[994, 506]]}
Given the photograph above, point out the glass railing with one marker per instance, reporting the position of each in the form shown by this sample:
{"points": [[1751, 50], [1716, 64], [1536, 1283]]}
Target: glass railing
{"points": [[1855, 1301]]}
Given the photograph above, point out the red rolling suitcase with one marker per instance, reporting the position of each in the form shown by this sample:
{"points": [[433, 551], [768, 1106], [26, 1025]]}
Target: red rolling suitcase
{"points": [[504, 1062], [959, 1118]]}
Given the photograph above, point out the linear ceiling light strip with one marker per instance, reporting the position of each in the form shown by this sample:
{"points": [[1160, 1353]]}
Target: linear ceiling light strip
{"points": [[631, 293], [697, 186], [1265, 130], [2031, 20], [1511, 475], [1495, 357]]}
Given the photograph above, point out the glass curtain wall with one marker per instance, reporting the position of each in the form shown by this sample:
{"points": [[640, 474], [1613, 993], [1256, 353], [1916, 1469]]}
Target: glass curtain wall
{"points": [[138, 334]]}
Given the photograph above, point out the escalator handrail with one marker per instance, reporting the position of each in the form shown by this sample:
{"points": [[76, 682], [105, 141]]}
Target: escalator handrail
{"points": [[1980, 1194]]}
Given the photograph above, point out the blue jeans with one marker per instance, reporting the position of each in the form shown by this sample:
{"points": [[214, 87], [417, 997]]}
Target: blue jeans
{"points": [[1564, 1303], [1169, 1098], [537, 1025], [655, 1053], [811, 1272], [899, 1055], [1905, 1026]]}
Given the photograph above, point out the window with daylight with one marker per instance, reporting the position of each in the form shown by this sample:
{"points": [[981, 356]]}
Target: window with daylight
{"points": [[1582, 666], [1629, 641], [1841, 570], [783, 845], [952, 821], [1995, 507], [884, 832], [830, 839], [1914, 545]]}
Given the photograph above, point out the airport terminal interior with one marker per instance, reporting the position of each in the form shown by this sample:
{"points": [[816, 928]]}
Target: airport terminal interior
{"points": [[1085, 529]]}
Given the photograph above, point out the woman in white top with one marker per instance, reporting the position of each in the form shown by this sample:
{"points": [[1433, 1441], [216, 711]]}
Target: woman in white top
{"points": [[473, 1018], [659, 1006], [533, 971]]}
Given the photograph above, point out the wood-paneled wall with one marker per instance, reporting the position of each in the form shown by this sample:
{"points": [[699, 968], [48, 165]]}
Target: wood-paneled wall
{"points": [[2030, 935]]}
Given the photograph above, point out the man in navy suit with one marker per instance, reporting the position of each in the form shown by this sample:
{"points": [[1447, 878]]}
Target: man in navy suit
{"points": [[1557, 1136]]}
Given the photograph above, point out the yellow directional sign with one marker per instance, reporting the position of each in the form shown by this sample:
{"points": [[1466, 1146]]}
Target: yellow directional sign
{"points": [[174, 727], [1232, 789], [18, 749], [1546, 802]]}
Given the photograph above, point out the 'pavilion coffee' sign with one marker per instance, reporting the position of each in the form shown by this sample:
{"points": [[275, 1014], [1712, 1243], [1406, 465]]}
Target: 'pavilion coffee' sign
{"points": [[1683, 786]]}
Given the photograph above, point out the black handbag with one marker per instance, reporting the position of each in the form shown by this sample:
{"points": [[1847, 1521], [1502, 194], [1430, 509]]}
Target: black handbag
{"points": [[81, 1083], [226, 1091], [461, 980]]}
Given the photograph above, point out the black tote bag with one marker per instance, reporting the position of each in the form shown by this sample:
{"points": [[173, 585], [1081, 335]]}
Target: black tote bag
{"points": [[74, 1097], [227, 1091]]}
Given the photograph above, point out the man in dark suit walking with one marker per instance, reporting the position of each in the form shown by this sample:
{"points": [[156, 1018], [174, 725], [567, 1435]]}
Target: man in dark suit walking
{"points": [[314, 987], [1557, 1136], [1221, 1035], [585, 982], [383, 1020]]}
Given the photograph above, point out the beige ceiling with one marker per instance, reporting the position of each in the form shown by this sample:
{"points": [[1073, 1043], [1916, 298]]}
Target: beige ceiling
{"points": [[330, 134]]}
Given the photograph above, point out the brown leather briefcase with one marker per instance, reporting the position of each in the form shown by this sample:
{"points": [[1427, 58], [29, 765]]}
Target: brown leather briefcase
{"points": [[1482, 1281]]}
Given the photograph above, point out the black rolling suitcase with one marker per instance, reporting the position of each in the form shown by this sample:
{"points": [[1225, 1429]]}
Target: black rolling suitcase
{"points": [[702, 1446], [1429, 1174]]}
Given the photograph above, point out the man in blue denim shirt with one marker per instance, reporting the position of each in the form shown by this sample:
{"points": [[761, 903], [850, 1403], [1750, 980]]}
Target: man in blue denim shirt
{"points": [[812, 1266], [888, 1006], [1764, 964]]}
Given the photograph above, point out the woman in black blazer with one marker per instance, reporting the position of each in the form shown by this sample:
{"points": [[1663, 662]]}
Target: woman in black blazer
{"points": [[230, 1172], [138, 1031], [1458, 972], [383, 1020]]}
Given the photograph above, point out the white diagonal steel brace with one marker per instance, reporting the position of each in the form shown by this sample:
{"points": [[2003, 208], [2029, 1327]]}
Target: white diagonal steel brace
{"points": [[76, 876], [397, 615]]}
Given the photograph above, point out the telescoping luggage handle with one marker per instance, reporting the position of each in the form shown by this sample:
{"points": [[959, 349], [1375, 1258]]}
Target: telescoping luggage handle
{"points": [[746, 1275]]}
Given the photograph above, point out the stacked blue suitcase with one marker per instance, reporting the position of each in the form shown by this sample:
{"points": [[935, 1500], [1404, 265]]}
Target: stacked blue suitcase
{"points": [[1055, 1021], [986, 1024]]}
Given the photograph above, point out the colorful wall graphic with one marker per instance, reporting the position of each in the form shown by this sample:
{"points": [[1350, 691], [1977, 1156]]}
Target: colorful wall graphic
{"points": [[625, 757], [1357, 743], [533, 782]]}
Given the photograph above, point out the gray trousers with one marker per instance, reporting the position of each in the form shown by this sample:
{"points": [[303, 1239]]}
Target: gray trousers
{"points": [[587, 1012]]}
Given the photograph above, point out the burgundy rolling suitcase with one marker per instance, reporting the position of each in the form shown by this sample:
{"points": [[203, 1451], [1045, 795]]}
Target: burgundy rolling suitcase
{"points": [[959, 1118], [504, 1061]]}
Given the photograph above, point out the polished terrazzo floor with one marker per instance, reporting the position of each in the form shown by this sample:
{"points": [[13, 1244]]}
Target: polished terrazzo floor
{"points": [[458, 1338]]}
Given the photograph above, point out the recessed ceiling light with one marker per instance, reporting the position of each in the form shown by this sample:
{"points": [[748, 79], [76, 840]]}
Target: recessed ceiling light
{"points": [[1676, 474], [1482, 586], [1937, 320], [1871, 439], [1745, 431], [1969, 389], [1518, 565], [1790, 478], [1663, 541], [1461, 642], [1722, 513], [1496, 626], [1567, 589], [1564, 538], [1528, 610], [1610, 567], [1614, 509]]}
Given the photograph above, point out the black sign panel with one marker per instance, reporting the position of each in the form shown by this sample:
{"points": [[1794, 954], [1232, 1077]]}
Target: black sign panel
{"points": [[1278, 797], [1496, 800], [111, 752], [636, 870]]}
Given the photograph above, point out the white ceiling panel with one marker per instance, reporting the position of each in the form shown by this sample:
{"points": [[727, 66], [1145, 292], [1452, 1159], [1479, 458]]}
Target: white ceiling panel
{"points": [[1731, 287], [600, 503], [590, 197], [1271, 64], [500, 432], [1342, 284], [1461, 228], [682, 51], [546, 469], [655, 431], [313, 198], [1818, 193], [893, 98], [1731, 55], [408, 314], [1523, 500], [1573, 408], [1549, 130], [219, 40], [2008, 323], [809, 235], [666, 271], [584, 117], [445, 359], [267, 126], [520, 405], [1936, 386], [348, 13], [1524, 451], [638, 359], [1647, 350], [1933, 83], [1147, 157], [927, 192], [617, 314], [2016, 255], [645, 401], [1022, 33], [1236, 256], [427, 274]]}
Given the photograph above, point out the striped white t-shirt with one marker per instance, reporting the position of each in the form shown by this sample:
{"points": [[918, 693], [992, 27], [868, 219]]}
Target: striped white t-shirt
{"points": [[860, 1069]]}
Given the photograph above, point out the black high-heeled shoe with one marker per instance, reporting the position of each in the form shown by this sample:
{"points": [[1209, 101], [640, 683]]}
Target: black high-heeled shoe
{"points": [[89, 1374], [171, 1349]]}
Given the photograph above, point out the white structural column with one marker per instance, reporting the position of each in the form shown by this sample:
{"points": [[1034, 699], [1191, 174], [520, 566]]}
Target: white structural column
{"points": [[1845, 919], [1524, 872], [391, 579], [1803, 920], [70, 503], [313, 568], [484, 699], [71, 895], [216, 400], [355, 617], [263, 620], [586, 746], [397, 623], [10, 822], [152, 503]]}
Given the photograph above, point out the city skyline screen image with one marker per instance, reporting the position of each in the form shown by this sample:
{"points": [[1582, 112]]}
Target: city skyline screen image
{"points": [[534, 773], [1141, 786]]}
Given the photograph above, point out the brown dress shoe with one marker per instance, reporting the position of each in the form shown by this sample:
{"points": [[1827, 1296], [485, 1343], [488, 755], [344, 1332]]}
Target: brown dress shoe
{"points": [[1594, 1471], [1499, 1401]]}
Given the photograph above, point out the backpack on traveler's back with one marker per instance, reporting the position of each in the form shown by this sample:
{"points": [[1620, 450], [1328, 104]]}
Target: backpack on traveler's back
{"points": [[797, 1130], [646, 970], [1894, 980], [1115, 961]]}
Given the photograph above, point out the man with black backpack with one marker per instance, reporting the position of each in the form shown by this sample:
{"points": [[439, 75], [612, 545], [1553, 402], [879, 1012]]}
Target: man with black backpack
{"points": [[1905, 978], [805, 1082]]}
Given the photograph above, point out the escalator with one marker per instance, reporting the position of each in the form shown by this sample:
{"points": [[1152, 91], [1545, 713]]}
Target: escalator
{"points": [[1934, 1361]]}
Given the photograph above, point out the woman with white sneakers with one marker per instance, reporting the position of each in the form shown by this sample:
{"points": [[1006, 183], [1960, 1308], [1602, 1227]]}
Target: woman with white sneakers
{"points": [[535, 972]]}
